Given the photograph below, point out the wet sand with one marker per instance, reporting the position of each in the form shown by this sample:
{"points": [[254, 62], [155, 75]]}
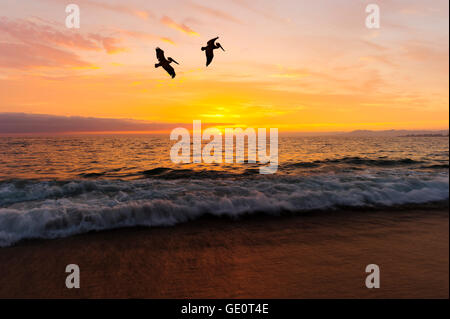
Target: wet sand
{"points": [[318, 255]]}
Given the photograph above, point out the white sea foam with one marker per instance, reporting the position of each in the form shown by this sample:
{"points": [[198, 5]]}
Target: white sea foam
{"points": [[59, 209]]}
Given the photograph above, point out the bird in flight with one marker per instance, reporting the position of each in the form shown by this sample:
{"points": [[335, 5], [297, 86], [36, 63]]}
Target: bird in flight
{"points": [[209, 50], [165, 63]]}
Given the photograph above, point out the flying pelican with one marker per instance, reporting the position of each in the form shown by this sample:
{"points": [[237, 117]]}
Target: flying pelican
{"points": [[165, 63], [211, 46]]}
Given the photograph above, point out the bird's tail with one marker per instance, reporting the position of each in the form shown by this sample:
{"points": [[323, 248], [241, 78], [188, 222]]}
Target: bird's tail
{"points": [[203, 48], [157, 65]]}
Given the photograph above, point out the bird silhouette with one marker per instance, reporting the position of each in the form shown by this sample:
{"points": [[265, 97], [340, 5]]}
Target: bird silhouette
{"points": [[209, 50], [165, 63]]}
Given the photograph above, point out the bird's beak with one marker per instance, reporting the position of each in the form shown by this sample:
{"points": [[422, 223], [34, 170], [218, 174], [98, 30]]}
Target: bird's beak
{"points": [[222, 48], [175, 62]]}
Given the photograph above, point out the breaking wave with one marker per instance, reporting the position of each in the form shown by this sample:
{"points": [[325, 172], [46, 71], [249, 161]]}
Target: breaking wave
{"points": [[50, 209]]}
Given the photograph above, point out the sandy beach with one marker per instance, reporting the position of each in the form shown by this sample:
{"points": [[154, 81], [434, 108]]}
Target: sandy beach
{"points": [[317, 255]]}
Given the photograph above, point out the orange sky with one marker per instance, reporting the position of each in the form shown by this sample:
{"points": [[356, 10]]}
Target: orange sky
{"points": [[294, 65]]}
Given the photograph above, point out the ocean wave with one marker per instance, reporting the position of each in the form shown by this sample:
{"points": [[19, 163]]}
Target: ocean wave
{"points": [[356, 160], [339, 164], [436, 166], [50, 209]]}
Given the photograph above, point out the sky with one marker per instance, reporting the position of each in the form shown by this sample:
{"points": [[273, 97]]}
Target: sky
{"points": [[295, 65]]}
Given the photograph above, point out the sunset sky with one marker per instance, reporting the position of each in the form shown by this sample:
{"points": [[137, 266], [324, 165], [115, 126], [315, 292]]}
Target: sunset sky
{"points": [[292, 64]]}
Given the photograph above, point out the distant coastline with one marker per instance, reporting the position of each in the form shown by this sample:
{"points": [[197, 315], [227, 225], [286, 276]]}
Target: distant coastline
{"points": [[398, 133], [424, 135]]}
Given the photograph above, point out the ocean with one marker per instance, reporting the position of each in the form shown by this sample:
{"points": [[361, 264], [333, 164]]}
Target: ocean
{"points": [[54, 187]]}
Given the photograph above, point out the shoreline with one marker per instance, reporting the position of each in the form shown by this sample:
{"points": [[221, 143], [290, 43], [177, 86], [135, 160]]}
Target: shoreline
{"points": [[316, 213], [320, 255]]}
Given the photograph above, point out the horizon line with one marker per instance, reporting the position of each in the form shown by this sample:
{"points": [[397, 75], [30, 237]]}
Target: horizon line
{"points": [[22, 124]]}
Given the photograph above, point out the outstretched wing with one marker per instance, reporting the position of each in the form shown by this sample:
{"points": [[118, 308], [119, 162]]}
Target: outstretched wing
{"points": [[169, 70], [160, 55], [211, 42], [209, 56]]}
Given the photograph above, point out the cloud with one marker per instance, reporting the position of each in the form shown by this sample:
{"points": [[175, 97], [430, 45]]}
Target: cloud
{"points": [[425, 52], [374, 46], [30, 32], [26, 56], [145, 36], [168, 40], [29, 44], [249, 5], [23, 123], [378, 58], [214, 13], [140, 13], [180, 27], [27, 31], [123, 9], [110, 44]]}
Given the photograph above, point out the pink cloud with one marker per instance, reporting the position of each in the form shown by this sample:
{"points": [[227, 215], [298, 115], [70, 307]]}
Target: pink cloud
{"points": [[30, 32], [214, 12], [177, 26], [256, 8], [111, 45], [26, 56], [27, 44], [125, 9], [146, 36]]}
